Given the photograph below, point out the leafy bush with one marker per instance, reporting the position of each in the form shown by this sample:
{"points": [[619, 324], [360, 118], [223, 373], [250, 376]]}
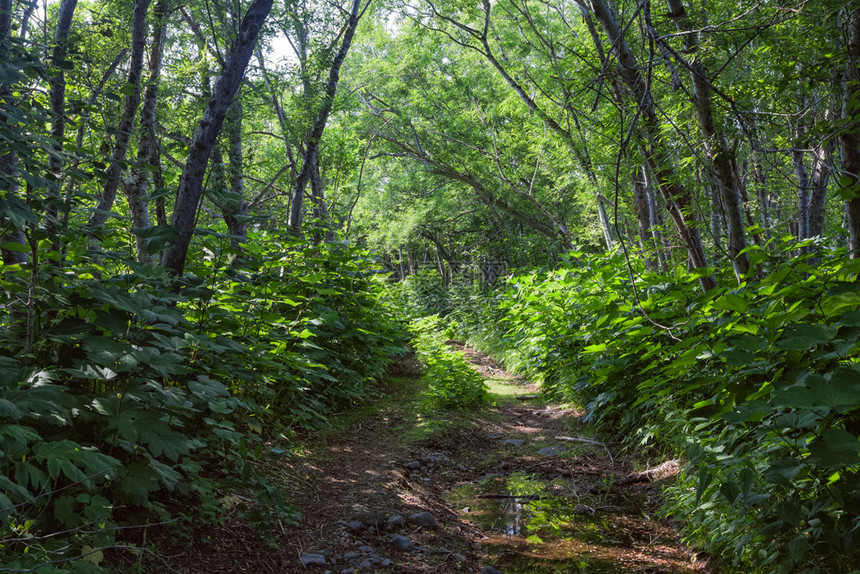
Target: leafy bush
{"points": [[130, 398], [757, 386], [451, 383]]}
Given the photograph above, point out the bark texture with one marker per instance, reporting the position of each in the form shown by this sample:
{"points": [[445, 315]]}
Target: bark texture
{"points": [[130, 106], [716, 147], [643, 218], [849, 138], [147, 147], [678, 199], [226, 86], [821, 162]]}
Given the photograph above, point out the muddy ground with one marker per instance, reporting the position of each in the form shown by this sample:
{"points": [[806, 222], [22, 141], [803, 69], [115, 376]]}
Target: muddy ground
{"points": [[390, 489]]}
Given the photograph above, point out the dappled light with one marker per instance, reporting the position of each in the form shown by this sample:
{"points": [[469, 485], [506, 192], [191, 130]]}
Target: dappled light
{"points": [[518, 286]]}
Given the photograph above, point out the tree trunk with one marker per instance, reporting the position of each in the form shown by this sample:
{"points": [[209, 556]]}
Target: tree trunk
{"points": [[79, 139], [235, 209], [821, 160], [678, 199], [312, 147], [19, 308], [29, 8], [57, 97], [849, 137], [132, 101], [643, 217], [9, 161], [605, 223], [191, 183], [656, 222], [715, 144], [147, 147], [802, 220], [760, 179], [6, 18]]}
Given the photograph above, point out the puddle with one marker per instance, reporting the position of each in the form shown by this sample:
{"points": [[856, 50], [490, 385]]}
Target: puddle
{"points": [[536, 526]]}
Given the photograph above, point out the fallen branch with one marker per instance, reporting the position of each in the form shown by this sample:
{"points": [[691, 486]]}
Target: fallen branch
{"points": [[580, 439], [507, 496], [667, 469]]}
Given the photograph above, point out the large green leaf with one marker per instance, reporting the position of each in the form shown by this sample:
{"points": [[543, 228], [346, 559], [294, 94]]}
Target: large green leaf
{"points": [[836, 448], [803, 337]]}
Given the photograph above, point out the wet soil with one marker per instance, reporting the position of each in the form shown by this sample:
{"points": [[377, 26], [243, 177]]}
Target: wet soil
{"points": [[496, 501]]}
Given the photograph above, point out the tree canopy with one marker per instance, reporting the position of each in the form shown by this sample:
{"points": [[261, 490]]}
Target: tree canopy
{"points": [[182, 184]]}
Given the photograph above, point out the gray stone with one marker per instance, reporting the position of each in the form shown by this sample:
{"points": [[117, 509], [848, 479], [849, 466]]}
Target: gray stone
{"points": [[515, 442], [370, 518], [494, 435], [310, 559], [351, 555], [458, 557], [356, 525], [396, 521], [402, 543], [550, 451], [490, 570], [386, 562], [367, 549], [439, 551], [424, 519], [413, 465]]}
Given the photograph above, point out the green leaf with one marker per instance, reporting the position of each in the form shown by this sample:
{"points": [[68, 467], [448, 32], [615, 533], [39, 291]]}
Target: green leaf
{"points": [[804, 336], [842, 391], [19, 434], [139, 481], [738, 357], [731, 302], [782, 471], [836, 448]]}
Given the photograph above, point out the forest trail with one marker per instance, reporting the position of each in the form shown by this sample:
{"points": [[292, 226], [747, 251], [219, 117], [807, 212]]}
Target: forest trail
{"points": [[392, 491]]}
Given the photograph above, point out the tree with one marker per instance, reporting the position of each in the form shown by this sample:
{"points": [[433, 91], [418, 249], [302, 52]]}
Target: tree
{"points": [[678, 199], [132, 102], [148, 153], [309, 172], [200, 147]]}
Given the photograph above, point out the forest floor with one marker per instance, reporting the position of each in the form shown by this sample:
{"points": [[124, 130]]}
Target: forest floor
{"points": [[387, 489]]}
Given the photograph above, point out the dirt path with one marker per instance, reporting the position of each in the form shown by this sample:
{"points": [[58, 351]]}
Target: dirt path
{"points": [[394, 491]]}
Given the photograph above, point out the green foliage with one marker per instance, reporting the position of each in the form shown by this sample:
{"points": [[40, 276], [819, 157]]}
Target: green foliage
{"points": [[141, 395], [757, 386], [451, 383]]}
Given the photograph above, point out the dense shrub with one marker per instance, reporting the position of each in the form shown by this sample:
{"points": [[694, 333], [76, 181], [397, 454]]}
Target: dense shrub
{"points": [[451, 383], [130, 398], [757, 385]]}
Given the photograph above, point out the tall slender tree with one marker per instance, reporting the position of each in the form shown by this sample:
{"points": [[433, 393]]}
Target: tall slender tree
{"points": [[225, 88]]}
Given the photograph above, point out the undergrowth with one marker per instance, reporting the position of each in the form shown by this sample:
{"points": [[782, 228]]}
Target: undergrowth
{"points": [[756, 385], [451, 384], [131, 399]]}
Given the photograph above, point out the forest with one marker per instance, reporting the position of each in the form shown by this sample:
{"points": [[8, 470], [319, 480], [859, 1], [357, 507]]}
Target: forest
{"points": [[219, 219]]}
